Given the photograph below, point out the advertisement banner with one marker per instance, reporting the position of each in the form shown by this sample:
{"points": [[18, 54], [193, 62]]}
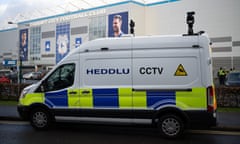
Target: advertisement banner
{"points": [[23, 41], [118, 24], [62, 40]]}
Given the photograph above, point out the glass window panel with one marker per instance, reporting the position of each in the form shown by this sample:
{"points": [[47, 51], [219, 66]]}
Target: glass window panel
{"points": [[35, 40]]}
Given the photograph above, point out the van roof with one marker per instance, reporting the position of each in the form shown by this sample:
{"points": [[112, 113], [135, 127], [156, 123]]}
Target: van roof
{"points": [[142, 42]]}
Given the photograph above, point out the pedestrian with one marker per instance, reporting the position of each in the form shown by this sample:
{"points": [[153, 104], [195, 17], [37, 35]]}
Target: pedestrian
{"points": [[232, 69], [221, 76]]}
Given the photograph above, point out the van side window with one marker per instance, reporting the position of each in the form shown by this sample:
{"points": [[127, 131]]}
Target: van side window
{"points": [[61, 78]]}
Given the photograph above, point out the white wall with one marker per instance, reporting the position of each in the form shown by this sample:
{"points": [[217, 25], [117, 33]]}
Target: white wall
{"points": [[216, 17], [8, 45], [79, 23], [48, 60], [137, 13]]}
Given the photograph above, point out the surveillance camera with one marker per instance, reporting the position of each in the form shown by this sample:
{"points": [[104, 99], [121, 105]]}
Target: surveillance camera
{"points": [[191, 13], [190, 22]]}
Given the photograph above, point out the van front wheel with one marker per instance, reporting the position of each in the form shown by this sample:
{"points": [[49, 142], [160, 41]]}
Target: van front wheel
{"points": [[171, 126], [40, 119]]}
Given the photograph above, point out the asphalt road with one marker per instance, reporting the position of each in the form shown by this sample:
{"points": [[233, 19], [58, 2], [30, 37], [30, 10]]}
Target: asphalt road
{"points": [[14, 132]]}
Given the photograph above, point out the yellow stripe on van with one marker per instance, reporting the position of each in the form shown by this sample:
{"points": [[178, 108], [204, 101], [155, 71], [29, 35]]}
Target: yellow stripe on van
{"points": [[139, 99], [195, 99], [31, 98], [86, 98], [125, 97], [73, 97]]}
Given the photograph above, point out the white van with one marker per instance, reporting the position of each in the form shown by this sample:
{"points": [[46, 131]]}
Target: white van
{"points": [[166, 79]]}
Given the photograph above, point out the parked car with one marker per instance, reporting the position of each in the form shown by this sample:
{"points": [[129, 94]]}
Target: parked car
{"points": [[5, 72], [233, 79], [32, 75], [4, 75], [37, 75], [4, 79]]}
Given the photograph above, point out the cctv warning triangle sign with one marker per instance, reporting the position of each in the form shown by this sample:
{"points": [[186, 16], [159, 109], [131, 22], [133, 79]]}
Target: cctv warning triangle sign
{"points": [[180, 71]]}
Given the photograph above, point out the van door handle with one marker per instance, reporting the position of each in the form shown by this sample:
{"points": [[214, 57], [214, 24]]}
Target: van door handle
{"points": [[72, 92], [85, 92], [104, 49]]}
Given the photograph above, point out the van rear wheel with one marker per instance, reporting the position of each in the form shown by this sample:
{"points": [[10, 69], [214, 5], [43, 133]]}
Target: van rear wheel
{"points": [[40, 119], [171, 126]]}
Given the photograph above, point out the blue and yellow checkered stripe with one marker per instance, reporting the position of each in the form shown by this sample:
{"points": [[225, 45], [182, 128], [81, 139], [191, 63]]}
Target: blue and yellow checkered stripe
{"points": [[120, 98]]}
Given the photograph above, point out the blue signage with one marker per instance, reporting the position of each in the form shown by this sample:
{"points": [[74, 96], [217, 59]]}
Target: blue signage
{"points": [[9, 62], [47, 46], [78, 42]]}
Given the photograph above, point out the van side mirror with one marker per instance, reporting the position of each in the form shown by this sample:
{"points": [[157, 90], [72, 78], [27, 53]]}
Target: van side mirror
{"points": [[42, 88]]}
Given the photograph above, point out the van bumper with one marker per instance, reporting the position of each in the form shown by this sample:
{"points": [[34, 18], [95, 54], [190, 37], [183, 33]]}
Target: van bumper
{"points": [[23, 111], [202, 119]]}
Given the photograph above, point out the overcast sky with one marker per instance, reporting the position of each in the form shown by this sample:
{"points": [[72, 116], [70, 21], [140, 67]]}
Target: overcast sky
{"points": [[10, 8]]}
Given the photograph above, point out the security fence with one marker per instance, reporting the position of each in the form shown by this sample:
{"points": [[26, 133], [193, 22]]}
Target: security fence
{"points": [[228, 96], [11, 91]]}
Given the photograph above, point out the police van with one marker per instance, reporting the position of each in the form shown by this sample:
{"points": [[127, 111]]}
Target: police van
{"points": [[165, 79]]}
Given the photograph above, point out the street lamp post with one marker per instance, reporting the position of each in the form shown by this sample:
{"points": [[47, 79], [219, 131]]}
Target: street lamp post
{"points": [[19, 65]]}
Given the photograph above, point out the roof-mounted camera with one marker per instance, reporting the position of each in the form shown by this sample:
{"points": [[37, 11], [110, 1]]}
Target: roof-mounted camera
{"points": [[190, 21]]}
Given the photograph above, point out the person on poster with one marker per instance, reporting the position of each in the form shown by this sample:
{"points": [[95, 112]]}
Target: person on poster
{"points": [[23, 44], [117, 26], [23, 39]]}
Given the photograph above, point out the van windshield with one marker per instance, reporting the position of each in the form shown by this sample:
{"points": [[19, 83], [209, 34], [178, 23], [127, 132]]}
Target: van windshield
{"points": [[61, 78]]}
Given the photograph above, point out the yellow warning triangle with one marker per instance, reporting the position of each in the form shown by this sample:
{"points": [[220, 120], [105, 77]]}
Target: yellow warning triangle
{"points": [[180, 71]]}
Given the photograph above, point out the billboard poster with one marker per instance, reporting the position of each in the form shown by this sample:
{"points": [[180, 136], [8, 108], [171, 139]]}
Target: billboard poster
{"points": [[118, 24], [62, 40], [78, 42], [47, 46], [23, 51]]}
